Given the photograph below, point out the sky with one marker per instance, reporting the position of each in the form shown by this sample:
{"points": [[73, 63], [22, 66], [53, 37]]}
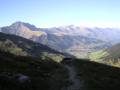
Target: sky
{"points": [[49, 13]]}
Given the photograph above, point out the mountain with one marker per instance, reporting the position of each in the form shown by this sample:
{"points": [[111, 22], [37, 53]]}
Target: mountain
{"points": [[24, 47], [114, 52], [76, 40], [109, 56], [104, 34], [23, 29]]}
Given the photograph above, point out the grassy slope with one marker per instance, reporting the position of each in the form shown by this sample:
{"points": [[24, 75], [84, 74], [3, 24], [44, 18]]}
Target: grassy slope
{"points": [[44, 75], [49, 75], [114, 52], [98, 55], [109, 56], [98, 76]]}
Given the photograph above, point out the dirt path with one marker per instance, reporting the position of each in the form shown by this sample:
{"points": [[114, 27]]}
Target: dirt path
{"points": [[73, 77]]}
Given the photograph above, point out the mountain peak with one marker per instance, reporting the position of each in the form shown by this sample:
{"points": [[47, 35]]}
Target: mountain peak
{"points": [[19, 23], [25, 30]]}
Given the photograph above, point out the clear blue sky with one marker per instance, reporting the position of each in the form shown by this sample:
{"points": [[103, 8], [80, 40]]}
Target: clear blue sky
{"points": [[46, 13]]}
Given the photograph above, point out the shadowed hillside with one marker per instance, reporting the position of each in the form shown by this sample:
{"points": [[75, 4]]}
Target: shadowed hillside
{"points": [[28, 73], [95, 76]]}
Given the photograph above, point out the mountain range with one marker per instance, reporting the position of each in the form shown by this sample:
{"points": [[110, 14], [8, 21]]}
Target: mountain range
{"points": [[75, 40]]}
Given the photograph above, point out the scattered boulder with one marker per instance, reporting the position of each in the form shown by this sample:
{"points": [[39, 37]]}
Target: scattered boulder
{"points": [[11, 78], [22, 78]]}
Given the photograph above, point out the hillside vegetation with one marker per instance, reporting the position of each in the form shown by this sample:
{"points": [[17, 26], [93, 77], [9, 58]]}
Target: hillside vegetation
{"points": [[28, 73], [95, 76], [24, 47], [110, 56]]}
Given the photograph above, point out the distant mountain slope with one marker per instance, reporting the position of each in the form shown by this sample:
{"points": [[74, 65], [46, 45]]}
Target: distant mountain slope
{"points": [[76, 40], [109, 56], [21, 46], [113, 53], [79, 46], [105, 34]]}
